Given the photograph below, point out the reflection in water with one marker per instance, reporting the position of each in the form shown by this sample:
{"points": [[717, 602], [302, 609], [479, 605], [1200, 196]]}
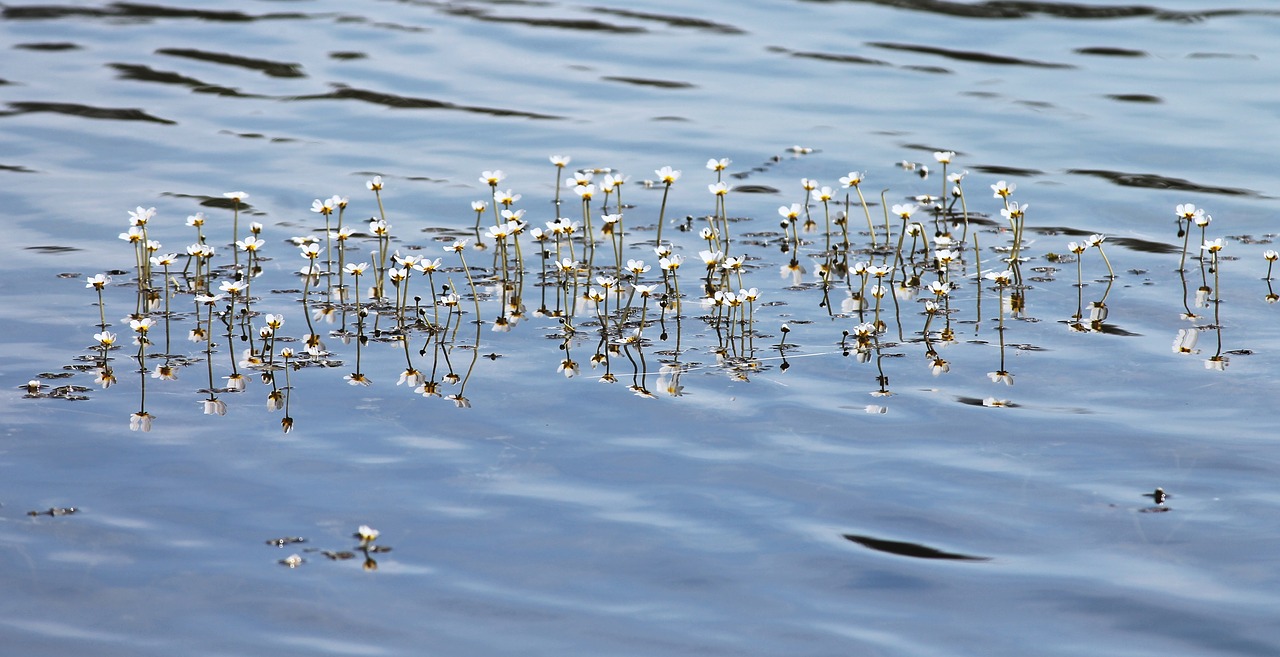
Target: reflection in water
{"points": [[910, 549], [618, 309], [83, 111]]}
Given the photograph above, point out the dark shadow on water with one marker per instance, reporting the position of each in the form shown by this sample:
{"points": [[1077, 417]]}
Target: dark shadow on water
{"points": [[48, 47], [1104, 51], [1013, 9], [587, 25], [84, 111], [266, 66], [673, 21], [966, 55], [147, 74], [829, 57], [1156, 181], [133, 10], [1136, 98], [910, 549], [1133, 243], [998, 170], [649, 82], [406, 102]]}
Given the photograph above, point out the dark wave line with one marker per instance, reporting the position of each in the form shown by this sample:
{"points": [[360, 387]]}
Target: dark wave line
{"points": [[1019, 9], [406, 102], [84, 111], [650, 82], [968, 56], [1136, 98], [998, 170], [673, 21], [148, 74], [134, 10], [910, 549], [1131, 243], [562, 23], [266, 66], [830, 57], [1155, 181], [16, 168], [1106, 51], [58, 46]]}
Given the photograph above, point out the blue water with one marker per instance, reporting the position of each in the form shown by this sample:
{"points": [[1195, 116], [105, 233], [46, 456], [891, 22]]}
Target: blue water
{"points": [[564, 515]]}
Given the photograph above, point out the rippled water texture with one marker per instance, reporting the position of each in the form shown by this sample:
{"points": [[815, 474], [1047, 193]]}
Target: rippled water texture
{"points": [[792, 500]]}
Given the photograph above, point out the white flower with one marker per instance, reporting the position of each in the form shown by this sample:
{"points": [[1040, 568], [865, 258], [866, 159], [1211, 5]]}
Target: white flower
{"points": [[367, 534], [1000, 278], [1188, 211], [852, 180], [904, 210], [251, 243], [141, 216], [324, 207], [667, 175]]}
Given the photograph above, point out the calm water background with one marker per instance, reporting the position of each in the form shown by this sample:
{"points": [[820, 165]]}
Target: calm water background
{"points": [[564, 516]]}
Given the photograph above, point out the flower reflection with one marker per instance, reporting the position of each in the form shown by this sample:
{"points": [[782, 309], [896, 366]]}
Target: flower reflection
{"points": [[214, 406], [1185, 341], [141, 421]]}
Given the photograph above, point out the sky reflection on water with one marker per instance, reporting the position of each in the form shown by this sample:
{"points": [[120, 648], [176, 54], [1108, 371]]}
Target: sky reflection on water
{"points": [[563, 515]]}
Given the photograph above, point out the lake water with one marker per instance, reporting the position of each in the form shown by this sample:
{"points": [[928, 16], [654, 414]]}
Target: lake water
{"points": [[801, 492]]}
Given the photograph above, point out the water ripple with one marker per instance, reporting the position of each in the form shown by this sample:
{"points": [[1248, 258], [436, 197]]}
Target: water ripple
{"points": [[1015, 9], [266, 66], [342, 92], [1155, 181], [968, 56], [673, 21], [650, 82], [589, 25], [831, 57], [148, 74], [133, 10], [84, 111]]}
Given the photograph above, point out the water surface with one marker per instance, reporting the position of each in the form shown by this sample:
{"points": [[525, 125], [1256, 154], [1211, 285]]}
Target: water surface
{"points": [[566, 515]]}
